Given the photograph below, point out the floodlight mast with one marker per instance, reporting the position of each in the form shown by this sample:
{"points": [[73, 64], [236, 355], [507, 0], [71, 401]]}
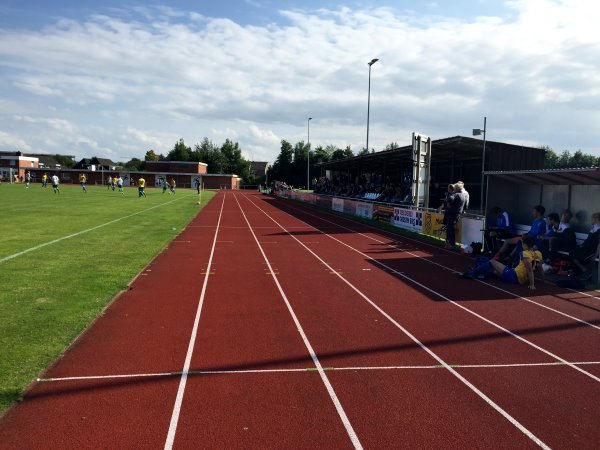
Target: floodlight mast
{"points": [[373, 61], [308, 157], [479, 132]]}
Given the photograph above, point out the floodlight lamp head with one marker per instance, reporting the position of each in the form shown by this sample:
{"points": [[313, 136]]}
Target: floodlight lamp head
{"points": [[373, 61], [477, 131], [310, 118]]}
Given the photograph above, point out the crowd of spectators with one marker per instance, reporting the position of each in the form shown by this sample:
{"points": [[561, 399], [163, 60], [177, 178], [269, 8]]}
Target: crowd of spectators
{"points": [[384, 188]]}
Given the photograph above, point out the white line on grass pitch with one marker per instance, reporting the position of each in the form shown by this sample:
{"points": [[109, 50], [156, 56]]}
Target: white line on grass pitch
{"points": [[434, 355], [79, 233], [188, 357], [313, 355]]}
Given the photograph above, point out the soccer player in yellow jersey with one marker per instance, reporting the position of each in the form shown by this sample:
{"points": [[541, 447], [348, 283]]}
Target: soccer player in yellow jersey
{"points": [[530, 260], [172, 186], [82, 180], [44, 180], [141, 186]]}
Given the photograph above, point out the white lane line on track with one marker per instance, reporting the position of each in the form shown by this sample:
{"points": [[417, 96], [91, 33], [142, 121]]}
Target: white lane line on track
{"points": [[452, 270], [307, 369], [434, 355], [338, 406], [79, 233], [188, 357], [442, 296]]}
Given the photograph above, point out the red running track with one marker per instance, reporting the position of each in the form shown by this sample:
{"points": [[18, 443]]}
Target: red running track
{"points": [[269, 324]]}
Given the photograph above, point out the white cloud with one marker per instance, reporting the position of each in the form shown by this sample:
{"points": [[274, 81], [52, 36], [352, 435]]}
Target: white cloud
{"points": [[9, 142], [60, 125], [266, 136], [182, 74]]}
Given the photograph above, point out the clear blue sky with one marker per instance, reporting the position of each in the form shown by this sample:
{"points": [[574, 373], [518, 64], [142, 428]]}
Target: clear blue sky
{"points": [[113, 79]]}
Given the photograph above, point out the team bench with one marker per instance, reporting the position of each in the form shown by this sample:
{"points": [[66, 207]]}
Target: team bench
{"points": [[523, 229]]}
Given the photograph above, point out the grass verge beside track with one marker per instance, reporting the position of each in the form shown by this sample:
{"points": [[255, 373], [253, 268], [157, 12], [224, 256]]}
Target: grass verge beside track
{"points": [[48, 296]]}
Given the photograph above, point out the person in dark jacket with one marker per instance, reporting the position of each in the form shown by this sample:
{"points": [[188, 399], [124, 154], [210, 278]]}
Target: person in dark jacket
{"points": [[454, 208], [582, 253], [504, 228]]}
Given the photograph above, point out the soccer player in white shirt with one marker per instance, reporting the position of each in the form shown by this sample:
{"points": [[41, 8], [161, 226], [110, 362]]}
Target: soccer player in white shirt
{"points": [[55, 182]]}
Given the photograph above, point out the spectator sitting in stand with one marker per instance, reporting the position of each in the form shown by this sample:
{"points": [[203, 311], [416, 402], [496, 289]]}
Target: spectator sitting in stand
{"points": [[564, 239], [545, 240], [582, 254], [538, 228], [504, 228]]}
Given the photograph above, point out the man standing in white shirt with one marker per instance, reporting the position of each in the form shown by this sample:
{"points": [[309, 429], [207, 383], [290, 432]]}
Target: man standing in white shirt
{"points": [[55, 182]]}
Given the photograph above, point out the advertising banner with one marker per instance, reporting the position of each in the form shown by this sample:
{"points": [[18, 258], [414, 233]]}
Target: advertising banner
{"points": [[337, 204], [308, 198], [433, 225], [408, 219], [364, 210], [383, 212]]}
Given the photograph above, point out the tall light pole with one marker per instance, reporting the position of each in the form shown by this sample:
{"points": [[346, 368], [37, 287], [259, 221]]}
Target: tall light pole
{"points": [[373, 61], [477, 132], [308, 157]]}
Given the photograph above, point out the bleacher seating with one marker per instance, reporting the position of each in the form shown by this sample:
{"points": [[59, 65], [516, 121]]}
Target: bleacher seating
{"points": [[371, 196]]}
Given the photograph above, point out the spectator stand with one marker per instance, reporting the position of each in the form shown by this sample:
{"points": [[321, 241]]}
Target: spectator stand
{"points": [[420, 220]]}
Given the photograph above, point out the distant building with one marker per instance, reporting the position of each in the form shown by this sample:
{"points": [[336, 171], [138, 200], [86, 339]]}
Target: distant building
{"points": [[50, 161], [259, 168], [16, 163], [95, 164], [176, 166]]}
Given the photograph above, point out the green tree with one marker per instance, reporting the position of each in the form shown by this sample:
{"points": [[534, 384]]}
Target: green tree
{"points": [[341, 154], [180, 152], [321, 155], [151, 156], [65, 161], [282, 167], [567, 161], [210, 154], [299, 174], [338, 154], [135, 165], [551, 158], [580, 159], [234, 162]]}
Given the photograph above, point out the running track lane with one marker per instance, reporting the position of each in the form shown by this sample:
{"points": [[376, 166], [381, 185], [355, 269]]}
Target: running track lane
{"points": [[144, 331], [389, 408], [551, 398], [245, 325], [532, 320]]}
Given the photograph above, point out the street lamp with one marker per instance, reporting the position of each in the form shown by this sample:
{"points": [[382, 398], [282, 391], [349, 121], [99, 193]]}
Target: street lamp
{"points": [[478, 132], [308, 157], [373, 61]]}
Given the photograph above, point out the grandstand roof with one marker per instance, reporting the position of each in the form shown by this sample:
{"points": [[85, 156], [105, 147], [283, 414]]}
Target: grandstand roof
{"points": [[574, 176], [499, 155]]}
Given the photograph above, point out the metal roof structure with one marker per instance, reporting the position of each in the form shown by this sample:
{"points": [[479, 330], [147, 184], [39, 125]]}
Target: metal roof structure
{"points": [[499, 155], [574, 176]]}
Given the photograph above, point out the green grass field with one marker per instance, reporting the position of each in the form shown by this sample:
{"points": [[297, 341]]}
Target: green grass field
{"points": [[50, 294]]}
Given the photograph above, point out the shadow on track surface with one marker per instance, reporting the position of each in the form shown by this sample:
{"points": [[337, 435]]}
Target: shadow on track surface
{"points": [[52, 388]]}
